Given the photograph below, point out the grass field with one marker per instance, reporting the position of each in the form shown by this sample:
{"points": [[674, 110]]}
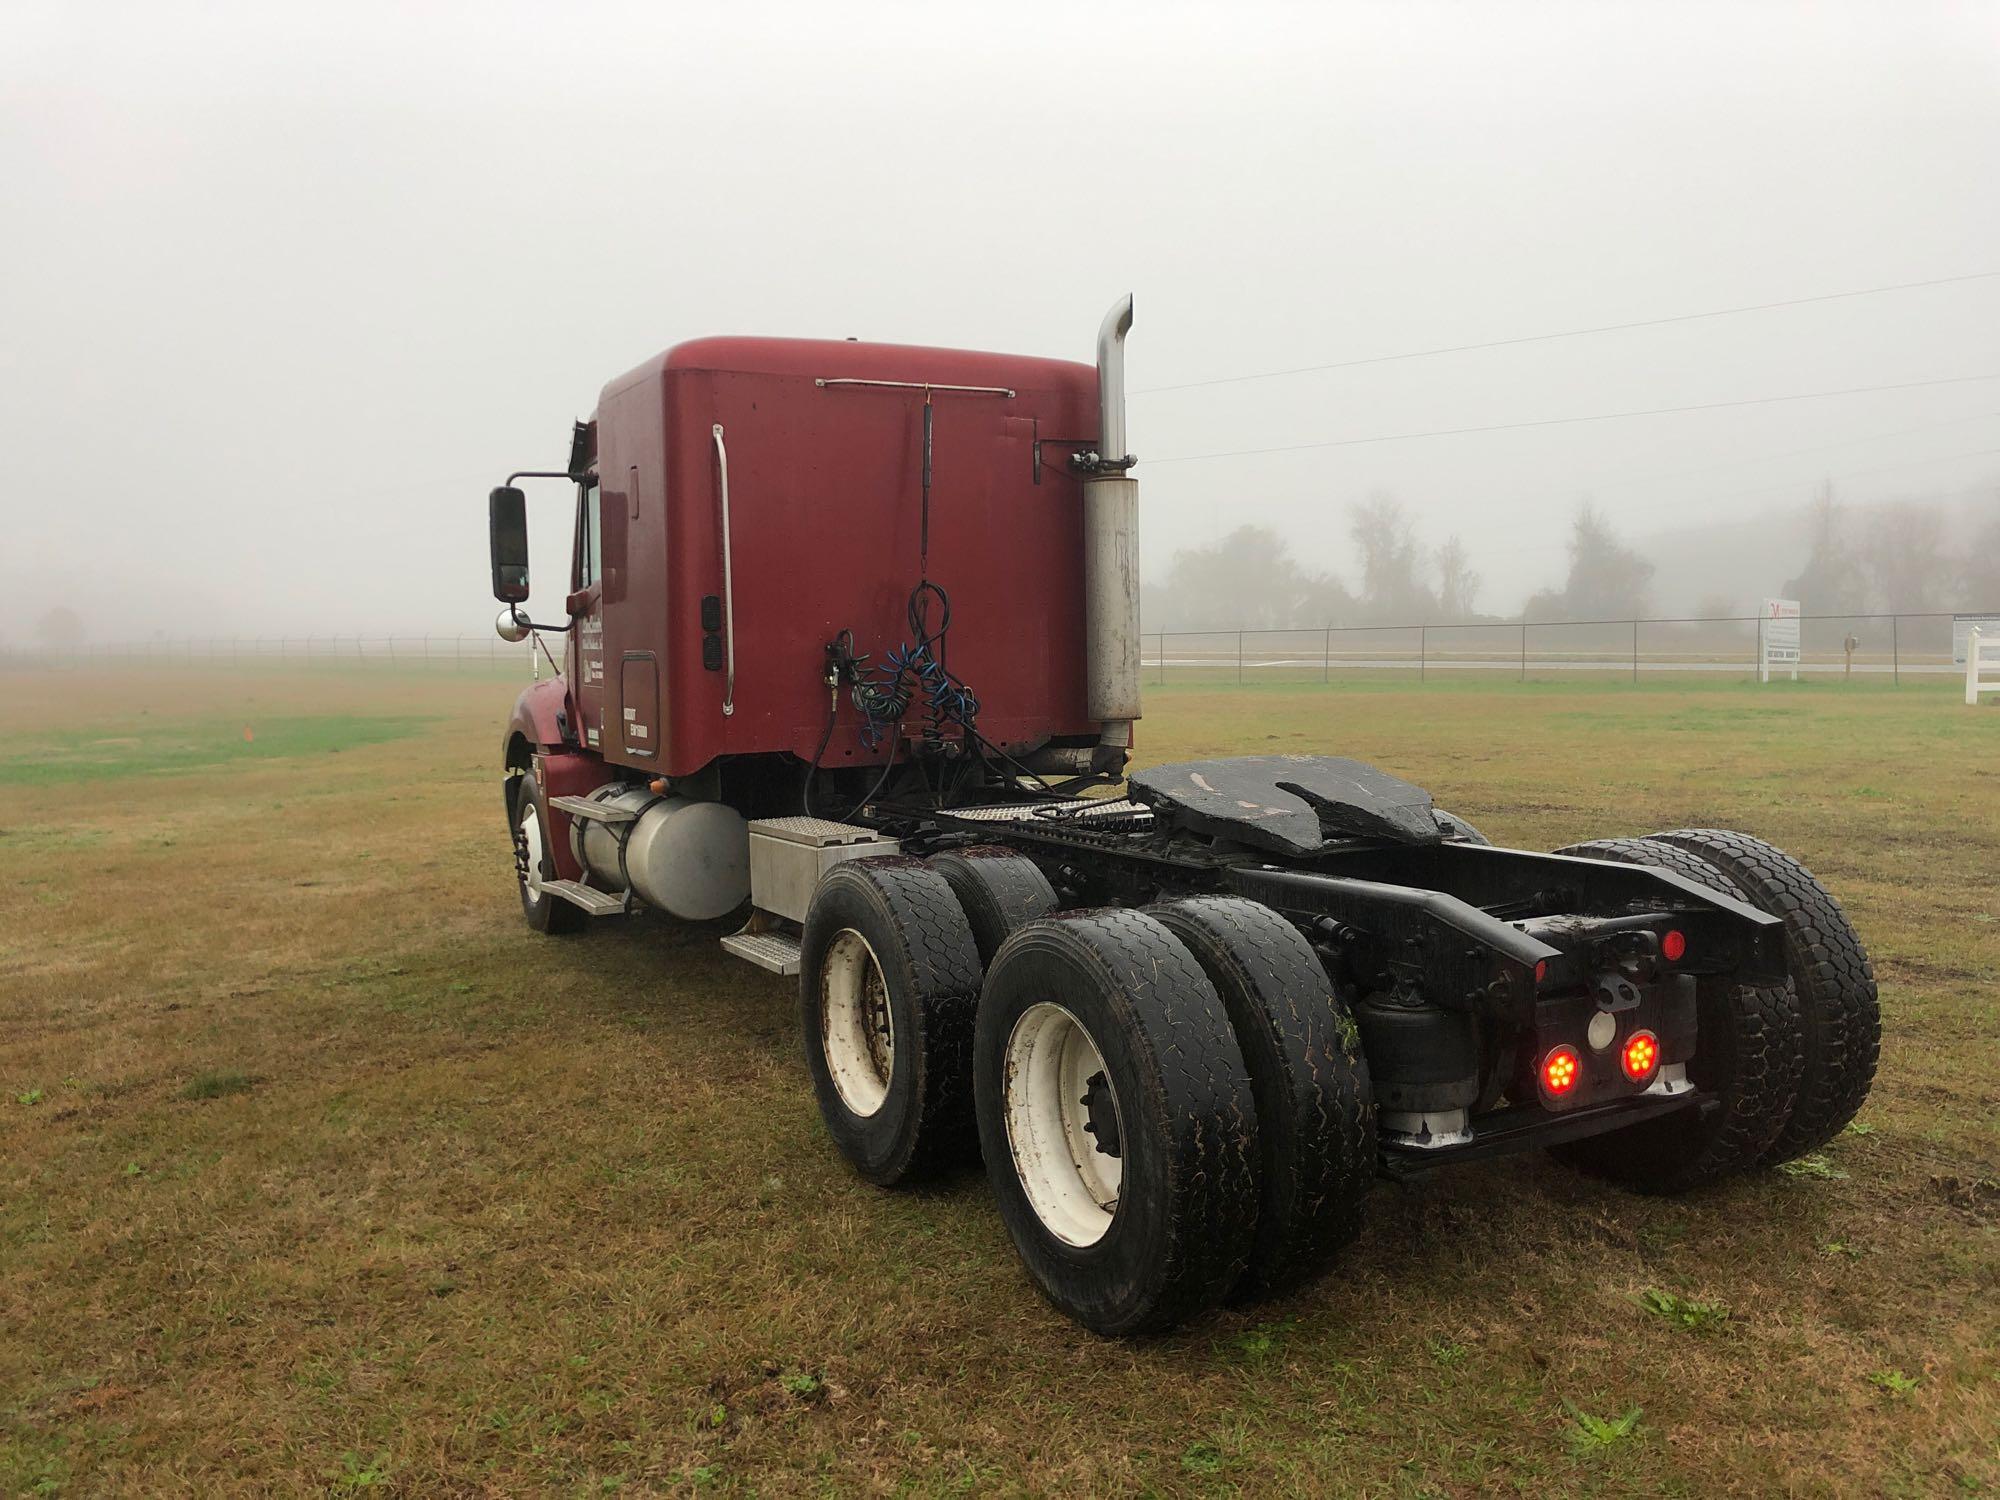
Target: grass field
{"points": [[321, 1171]]}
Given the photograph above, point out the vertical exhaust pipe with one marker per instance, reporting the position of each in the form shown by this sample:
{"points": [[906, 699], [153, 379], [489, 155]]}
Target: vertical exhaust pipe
{"points": [[1111, 555], [1111, 380]]}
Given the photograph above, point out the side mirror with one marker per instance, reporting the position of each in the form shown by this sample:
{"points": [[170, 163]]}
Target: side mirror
{"points": [[507, 520]]}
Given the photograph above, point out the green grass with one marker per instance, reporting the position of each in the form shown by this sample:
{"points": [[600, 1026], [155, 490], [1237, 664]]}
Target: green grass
{"points": [[318, 1171], [176, 746], [218, 1085]]}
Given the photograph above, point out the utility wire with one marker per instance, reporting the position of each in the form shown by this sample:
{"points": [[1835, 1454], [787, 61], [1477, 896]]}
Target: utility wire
{"points": [[1760, 458], [1569, 333], [1608, 416]]}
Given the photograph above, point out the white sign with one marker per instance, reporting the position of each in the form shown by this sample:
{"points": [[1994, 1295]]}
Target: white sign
{"points": [[1778, 638], [1962, 625]]}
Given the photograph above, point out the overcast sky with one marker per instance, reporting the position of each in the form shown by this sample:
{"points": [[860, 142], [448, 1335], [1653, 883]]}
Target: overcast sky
{"points": [[284, 288]]}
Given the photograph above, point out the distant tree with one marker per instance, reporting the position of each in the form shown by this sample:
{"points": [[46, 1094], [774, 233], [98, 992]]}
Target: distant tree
{"points": [[1834, 582], [1392, 587], [1458, 581], [1907, 557], [1607, 580], [1979, 580], [61, 628], [1247, 580], [1322, 600]]}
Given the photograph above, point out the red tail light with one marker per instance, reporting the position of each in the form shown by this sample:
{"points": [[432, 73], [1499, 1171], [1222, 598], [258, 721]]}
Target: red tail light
{"points": [[1674, 946], [1641, 1056], [1560, 1070]]}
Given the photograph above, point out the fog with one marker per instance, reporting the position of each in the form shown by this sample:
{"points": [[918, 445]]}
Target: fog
{"points": [[287, 288]]}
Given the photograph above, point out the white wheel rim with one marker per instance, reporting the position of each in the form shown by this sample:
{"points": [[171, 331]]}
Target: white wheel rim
{"points": [[531, 841], [1071, 1184], [857, 1034]]}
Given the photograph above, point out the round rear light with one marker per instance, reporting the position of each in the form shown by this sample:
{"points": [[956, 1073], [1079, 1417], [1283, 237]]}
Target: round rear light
{"points": [[1641, 1056], [1674, 946], [1560, 1070]]}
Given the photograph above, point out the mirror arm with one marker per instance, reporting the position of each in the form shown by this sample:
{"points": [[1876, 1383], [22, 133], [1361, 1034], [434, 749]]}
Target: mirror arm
{"points": [[520, 619], [543, 474]]}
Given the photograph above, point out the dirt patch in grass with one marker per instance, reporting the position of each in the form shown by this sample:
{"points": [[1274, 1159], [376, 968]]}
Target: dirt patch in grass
{"points": [[499, 1213]]}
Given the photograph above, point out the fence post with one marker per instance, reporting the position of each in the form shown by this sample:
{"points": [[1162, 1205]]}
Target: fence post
{"points": [[1423, 651], [1239, 658], [1635, 653], [1524, 651], [1895, 650], [1326, 657]]}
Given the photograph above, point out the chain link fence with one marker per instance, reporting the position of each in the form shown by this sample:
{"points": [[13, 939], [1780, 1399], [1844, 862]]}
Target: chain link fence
{"points": [[1871, 646], [1889, 647]]}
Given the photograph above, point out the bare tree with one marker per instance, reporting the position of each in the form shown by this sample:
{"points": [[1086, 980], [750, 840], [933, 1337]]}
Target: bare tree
{"points": [[1458, 581], [1833, 582], [1907, 557], [1392, 589], [1979, 588]]}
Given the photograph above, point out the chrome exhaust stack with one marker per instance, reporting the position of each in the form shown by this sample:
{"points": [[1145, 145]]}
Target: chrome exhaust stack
{"points": [[1111, 555], [1111, 382]]}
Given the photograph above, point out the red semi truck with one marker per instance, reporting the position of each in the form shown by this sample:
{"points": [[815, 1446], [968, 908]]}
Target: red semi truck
{"points": [[850, 657]]}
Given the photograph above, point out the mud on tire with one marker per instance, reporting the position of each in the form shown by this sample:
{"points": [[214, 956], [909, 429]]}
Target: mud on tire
{"points": [[1103, 1020], [1315, 1109], [888, 982], [1839, 1010], [1000, 890], [1749, 1050]]}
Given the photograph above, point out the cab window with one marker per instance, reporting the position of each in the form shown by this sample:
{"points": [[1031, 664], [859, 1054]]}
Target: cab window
{"points": [[589, 537]]}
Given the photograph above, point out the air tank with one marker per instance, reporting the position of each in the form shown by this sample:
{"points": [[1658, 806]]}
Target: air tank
{"points": [[689, 859]]}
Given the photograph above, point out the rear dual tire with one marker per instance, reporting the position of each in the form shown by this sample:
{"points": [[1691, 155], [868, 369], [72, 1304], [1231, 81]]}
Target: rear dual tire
{"points": [[1202, 1039], [1840, 1012], [1142, 1239], [888, 983], [1788, 1065], [1315, 1108], [1172, 1105]]}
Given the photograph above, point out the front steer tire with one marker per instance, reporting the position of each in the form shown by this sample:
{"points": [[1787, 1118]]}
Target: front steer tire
{"points": [[1099, 1029], [888, 983], [535, 862], [1749, 1051], [1839, 1010], [1315, 1108]]}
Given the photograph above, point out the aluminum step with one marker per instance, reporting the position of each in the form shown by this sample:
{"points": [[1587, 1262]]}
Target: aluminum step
{"points": [[776, 951], [597, 903], [596, 812]]}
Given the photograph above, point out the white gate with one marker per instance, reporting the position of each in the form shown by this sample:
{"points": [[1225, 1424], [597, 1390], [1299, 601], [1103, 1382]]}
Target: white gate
{"points": [[1982, 665]]}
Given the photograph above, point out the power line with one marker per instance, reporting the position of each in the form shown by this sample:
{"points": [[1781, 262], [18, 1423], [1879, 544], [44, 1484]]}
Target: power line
{"points": [[1759, 458], [1570, 333], [1609, 416]]}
